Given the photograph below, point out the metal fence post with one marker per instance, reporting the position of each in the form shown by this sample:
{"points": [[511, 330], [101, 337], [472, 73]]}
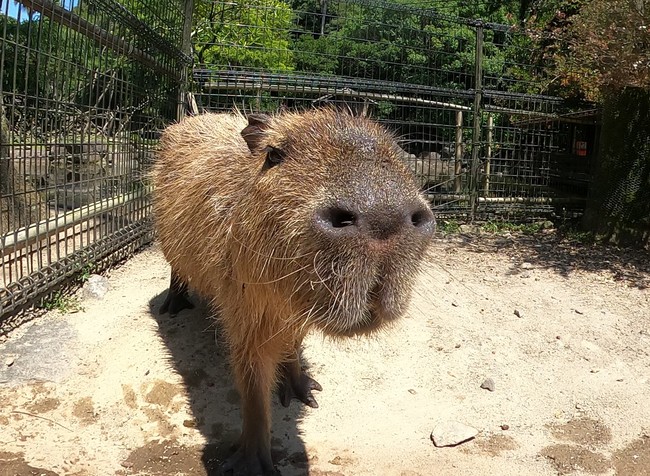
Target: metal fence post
{"points": [[186, 74], [458, 156], [488, 155], [477, 110]]}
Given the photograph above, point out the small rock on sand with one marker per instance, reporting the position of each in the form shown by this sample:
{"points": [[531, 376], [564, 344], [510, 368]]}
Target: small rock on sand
{"points": [[452, 433], [488, 384], [96, 287]]}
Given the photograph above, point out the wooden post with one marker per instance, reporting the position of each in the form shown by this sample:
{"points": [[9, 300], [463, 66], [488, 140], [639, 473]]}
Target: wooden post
{"points": [[488, 155], [458, 153]]}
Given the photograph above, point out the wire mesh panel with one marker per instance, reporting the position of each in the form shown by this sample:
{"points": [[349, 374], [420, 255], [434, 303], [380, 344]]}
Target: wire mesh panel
{"points": [[459, 93], [86, 87]]}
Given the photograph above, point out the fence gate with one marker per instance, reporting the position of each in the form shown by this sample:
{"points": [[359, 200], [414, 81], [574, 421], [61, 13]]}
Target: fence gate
{"points": [[86, 86]]}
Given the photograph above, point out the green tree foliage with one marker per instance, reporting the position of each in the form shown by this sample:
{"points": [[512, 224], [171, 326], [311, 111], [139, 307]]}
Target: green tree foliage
{"points": [[25, 68], [585, 47], [397, 42], [251, 33], [610, 46], [46, 60]]}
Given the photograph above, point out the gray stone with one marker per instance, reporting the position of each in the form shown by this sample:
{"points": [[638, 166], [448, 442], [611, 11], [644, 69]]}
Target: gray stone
{"points": [[47, 351], [96, 287], [452, 433], [488, 384]]}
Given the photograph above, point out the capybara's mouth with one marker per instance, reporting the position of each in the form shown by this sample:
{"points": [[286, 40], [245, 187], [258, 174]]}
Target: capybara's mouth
{"points": [[363, 321]]}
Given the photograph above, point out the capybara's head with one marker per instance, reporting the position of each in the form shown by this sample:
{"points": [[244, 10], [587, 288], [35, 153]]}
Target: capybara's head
{"points": [[335, 221]]}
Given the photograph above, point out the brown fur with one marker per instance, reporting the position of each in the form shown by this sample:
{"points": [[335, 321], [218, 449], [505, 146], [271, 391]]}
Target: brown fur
{"points": [[242, 233]]}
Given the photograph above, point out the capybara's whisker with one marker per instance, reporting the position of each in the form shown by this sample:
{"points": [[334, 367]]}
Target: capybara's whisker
{"points": [[277, 279]]}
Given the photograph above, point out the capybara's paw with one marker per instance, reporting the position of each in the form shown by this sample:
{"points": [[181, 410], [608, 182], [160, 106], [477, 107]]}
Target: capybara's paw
{"points": [[175, 303], [299, 388], [243, 463]]}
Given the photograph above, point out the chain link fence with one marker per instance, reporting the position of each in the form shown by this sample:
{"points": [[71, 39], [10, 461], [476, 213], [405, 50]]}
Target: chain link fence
{"points": [[461, 94], [86, 87]]}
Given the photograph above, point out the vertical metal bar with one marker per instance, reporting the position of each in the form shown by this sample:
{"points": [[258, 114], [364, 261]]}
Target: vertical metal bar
{"points": [[476, 134], [458, 156], [323, 10], [186, 47], [488, 155]]}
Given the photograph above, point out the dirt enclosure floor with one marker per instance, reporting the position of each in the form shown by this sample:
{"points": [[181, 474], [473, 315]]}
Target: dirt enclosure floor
{"points": [[562, 329]]}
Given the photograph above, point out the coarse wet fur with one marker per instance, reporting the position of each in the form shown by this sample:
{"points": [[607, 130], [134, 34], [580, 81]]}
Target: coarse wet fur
{"points": [[286, 223]]}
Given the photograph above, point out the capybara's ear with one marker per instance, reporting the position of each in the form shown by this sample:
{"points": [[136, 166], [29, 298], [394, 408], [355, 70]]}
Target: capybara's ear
{"points": [[254, 133]]}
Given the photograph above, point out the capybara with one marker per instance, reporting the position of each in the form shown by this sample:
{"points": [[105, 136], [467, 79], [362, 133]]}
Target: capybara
{"points": [[286, 223]]}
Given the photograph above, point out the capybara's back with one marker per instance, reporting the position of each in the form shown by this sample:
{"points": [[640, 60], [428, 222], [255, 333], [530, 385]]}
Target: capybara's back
{"points": [[286, 223], [203, 167]]}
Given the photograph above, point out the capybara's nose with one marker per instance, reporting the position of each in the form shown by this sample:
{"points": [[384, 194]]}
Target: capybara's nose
{"points": [[379, 221]]}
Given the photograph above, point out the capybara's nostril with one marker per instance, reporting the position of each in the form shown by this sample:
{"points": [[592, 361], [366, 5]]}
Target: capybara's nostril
{"points": [[334, 218], [423, 218]]}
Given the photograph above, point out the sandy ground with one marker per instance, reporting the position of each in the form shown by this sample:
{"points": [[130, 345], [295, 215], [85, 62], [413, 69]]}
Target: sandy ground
{"points": [[115, 389]]}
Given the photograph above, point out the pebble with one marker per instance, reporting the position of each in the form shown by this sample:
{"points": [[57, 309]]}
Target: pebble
{"points": [[505, 427], [488, 384], [412, 391], [9, 362], [189, 423], [526, 265], [518, 313], [452, 433], [96, 287]]}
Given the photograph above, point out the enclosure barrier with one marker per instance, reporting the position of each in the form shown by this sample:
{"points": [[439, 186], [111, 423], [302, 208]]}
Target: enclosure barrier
{"points": [[460, 93], [86, 88]]}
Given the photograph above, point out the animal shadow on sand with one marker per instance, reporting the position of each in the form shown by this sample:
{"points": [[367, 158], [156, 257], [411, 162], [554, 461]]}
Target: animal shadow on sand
{"points": [[199, 354]]}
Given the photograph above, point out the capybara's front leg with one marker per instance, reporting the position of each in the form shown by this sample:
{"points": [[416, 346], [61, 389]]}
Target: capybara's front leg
{"points": [[177, 296], [295, 383], [255, 381]]}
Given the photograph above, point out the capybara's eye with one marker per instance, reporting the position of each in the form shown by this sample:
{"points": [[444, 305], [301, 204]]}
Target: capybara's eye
{"points": [[274, 156]]}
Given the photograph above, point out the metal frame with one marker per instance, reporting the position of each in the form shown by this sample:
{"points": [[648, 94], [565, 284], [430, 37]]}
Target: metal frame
{"points": [[85, 92]]}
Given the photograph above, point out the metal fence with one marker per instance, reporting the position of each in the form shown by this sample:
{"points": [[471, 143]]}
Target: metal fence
{"points": [[86, 87], [461, 93]]}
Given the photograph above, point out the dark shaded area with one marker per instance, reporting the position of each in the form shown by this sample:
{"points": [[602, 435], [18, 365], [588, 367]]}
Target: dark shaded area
{"points": [[199, 355], [564, 254], [619, 206], [13, 463]]}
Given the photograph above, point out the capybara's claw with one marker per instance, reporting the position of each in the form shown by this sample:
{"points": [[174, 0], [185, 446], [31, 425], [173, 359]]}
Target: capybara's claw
{"points": [[177, 297], [242, 464], [175, 303], [300, 389]]}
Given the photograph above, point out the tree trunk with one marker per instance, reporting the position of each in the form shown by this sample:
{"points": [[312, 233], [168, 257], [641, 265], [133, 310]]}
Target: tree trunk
{"points": [[619, 203]]}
